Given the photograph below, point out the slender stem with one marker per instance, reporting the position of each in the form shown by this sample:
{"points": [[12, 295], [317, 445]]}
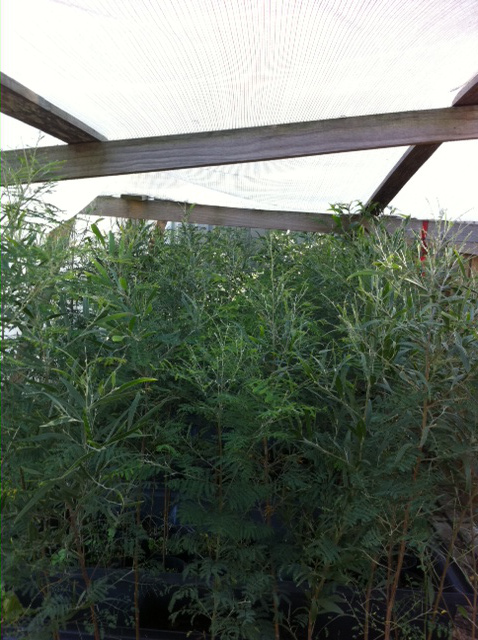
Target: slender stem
{"points": [[368, 596], [389, 568], [136, 557], [311, 620], [315, 597], [3, 316], [275, 598], [406, 518], [268, 519], [136, 579], [46, 587], [167, 498], [220, 453], [81, 555], [474, 610], [22, 480], [219, 478], [455, 531], [401, 556]]}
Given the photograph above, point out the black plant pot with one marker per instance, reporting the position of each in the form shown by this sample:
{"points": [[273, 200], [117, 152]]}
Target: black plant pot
{"points": [[156, 590], [128, 634]]}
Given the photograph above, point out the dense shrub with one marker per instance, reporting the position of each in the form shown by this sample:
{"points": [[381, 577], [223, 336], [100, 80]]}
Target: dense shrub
{"points": [[306, 405]]}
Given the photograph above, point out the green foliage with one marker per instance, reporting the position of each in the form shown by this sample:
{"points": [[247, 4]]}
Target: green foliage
{"points": [[305, 403]]}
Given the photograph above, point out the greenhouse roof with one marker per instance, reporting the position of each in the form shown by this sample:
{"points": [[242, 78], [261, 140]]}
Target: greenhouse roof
{"points": [[277, 105]]}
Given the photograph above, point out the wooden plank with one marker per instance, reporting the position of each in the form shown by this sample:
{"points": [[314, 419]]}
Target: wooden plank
{"points": [[25, 105], [416, 156], [274, 142], [140, 208], [167, 210]]}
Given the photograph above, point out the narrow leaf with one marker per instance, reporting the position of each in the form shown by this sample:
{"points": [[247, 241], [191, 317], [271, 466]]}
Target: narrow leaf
{"points": [[98, 234]]}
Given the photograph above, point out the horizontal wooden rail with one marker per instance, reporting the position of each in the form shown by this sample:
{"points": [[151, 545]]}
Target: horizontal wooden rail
{"points": [[141, 208], [249, 145], [169, 211]]}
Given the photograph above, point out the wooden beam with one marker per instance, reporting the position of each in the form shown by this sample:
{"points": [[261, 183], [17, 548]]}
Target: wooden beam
{"points": [[25, 105], [140, 208], [274, 142], [416, 156], [167, 210]]}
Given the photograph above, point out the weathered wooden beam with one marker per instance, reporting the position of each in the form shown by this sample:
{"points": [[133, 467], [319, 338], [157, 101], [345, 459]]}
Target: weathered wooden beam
{"points": [[416, 156], [19, 102], [167, 210], [140, 208], [274, 142]]}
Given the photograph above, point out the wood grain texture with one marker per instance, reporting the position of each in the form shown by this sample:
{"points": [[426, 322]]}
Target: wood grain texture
{"points": [[464, 235], [416, 156], [167, 210], [274, 142], [25, 105]]}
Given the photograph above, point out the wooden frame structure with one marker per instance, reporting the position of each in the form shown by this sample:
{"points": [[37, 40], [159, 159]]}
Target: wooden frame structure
{"points": [[89, 154], [417, 155]]}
